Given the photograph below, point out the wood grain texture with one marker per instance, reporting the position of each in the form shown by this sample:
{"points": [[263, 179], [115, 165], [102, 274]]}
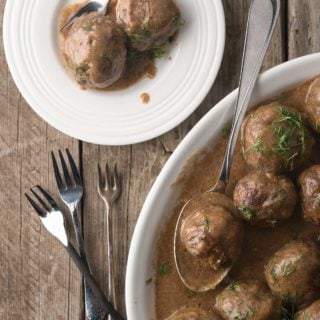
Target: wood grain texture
{"points": [[37, 279]]}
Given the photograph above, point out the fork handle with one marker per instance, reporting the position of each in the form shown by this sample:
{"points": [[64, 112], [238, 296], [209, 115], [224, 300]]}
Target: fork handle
{"points": [[93, 309], [83, 268]]}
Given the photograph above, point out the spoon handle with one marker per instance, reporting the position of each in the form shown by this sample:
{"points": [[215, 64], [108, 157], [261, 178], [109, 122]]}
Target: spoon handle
{"points": [[262, 19]]}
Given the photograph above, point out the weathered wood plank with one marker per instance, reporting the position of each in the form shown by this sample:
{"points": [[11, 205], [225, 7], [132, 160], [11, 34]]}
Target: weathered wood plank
{"points": [[303, 27], [37, 280]]}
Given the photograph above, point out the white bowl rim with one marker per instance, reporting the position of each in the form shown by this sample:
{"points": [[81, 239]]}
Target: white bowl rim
{"points": [[178, 157]]}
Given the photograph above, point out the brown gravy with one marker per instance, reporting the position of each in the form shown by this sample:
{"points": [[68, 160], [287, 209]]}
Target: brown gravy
{"points": [[259, 244], [138, 64]]}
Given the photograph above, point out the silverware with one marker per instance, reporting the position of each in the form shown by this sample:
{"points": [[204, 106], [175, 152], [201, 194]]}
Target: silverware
{"points": [[71, 191], [261, 23], [100, 6], [109, 189], [53, 220]]}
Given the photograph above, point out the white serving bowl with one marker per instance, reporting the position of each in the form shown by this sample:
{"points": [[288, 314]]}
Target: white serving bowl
{"points": [[162, 197]]}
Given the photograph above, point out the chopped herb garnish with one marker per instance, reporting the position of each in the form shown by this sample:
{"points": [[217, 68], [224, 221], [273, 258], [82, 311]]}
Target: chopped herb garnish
{"points": [[233, 286], [249, 213], [273, 275], [87, 27], [287, 269], [206, 224], [317, 202], [318, 126], [178, 21], [291, 138], [289, 308], [226, 131], [191, 293], [164, 269], [142, 34], [147, 282], [158, 52], [258, 147], [281, 195]]}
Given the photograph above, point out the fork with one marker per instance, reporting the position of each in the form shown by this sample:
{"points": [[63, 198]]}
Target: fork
{"points": [[101, 6], [53, 220], [71, 192], [109, 189]]}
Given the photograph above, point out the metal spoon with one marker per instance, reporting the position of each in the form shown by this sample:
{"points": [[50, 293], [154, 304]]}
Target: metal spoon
{"points": [[262, 19], [101, 6]]}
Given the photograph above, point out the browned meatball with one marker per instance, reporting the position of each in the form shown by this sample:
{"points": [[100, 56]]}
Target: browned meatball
{"points": [[312, 104], [212, 232], [193, 314], [275, 138], [247, 300], [148, 23], [309, 182], [95, 51], [293, 272], [264, 199], [310, 313]]}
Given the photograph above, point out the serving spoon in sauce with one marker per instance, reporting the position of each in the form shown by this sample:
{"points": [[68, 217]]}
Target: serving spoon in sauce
{"points": [[197, 275], [100, 6]]}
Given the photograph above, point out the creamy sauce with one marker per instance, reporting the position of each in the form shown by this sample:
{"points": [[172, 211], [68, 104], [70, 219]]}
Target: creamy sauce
{"points": [[259, 244], [138, 64], [145, 98]]}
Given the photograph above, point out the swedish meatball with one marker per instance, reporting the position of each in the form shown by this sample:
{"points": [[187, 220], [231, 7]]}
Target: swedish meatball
{"points": [[264, 199], [275, 138], [95, 51], [310, 313], [148, 23], [312, 104], [293, 272], [309, 182], [212, 232], [247, 300], [193, 314]]}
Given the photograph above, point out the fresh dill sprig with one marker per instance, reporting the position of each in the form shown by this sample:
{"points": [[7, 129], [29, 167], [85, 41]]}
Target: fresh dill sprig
{"points": [[290, 130], [164, 269], [158, 52], [249, 213], [258, 147], [233, 286]]}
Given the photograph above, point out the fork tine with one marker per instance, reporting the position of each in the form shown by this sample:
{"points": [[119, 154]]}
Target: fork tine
{"points": [[38, 210], [65, 170], [48, 197], [74, 168], [108, 176], [40, 200], [115, 177], [56, 171], [102, 182]]}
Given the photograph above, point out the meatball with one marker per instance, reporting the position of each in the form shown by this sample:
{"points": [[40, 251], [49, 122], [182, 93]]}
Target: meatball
{"points": [[95, 50], [275, 138], [310, 313], [312, 104], [148, 23], [293, 272], [247, 300], [212, 232], [193, 314], [264, 199], [309, 182]]}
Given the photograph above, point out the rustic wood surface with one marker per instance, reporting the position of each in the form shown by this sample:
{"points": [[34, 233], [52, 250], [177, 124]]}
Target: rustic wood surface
{"points": [[37, 279]]}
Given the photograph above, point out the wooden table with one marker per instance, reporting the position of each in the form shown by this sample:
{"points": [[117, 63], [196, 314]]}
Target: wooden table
{"points": [[37, 278]]}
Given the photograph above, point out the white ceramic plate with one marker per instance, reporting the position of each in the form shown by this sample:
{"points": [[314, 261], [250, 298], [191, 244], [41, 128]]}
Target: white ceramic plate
{"points": [[161, 199], [114, 118]]}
